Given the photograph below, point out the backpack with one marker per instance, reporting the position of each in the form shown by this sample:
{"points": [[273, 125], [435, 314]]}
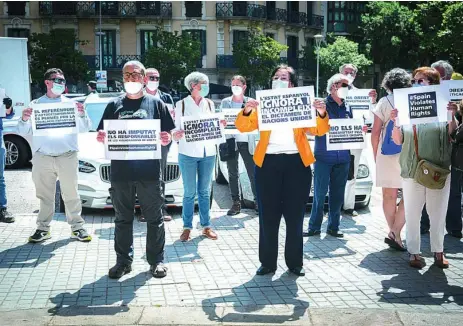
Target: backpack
{"points": [[389, 147]]}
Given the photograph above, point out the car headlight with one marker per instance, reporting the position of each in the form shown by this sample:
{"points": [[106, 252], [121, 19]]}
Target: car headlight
{"points": [[363, 172], [86, 167]]}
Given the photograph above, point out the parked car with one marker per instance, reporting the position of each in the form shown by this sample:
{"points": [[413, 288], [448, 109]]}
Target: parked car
{"points": [[18, 147]]}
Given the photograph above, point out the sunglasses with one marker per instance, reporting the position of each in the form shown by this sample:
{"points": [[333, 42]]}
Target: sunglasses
{"points": [[153, 78], [133, 75], [418, 81], [344, 85], [61, 81]]}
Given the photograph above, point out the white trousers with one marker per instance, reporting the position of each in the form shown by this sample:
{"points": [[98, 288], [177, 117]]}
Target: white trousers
{"points": [[415, 196], [349, 193]]}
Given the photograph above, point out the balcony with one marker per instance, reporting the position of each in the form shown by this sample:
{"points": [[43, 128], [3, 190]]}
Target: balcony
{"points": [[108, 8], [109, 61], [227, 62], [297, 18], [316, 21], [277, 15], [227, 10]]}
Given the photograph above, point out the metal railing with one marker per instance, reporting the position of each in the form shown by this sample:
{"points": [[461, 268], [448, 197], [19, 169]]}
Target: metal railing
{"points": [[110, 61], [226, 61], [297, 18], [240, 9], [316, 21], [277, 14]]}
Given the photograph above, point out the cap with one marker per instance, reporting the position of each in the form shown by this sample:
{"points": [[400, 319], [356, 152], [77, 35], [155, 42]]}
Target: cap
{"points": [[92, 83]]}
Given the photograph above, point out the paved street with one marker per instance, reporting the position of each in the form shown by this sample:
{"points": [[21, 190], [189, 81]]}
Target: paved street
{"points": [[357, 272]]}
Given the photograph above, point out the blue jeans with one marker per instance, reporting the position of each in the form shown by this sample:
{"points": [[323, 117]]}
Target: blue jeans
{"points": [[203, 168], [2, 174], [334, 177]]}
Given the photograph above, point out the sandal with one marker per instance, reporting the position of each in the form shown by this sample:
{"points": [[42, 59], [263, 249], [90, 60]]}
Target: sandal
{"points": [[416, 262], [391, 241]]}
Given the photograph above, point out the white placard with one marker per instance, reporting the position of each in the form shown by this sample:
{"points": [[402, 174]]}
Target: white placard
{"points": [[133, 139], [358, 99], [203, 128], [424, 104], [52, 119], [286, 108], [454, 89], [345, 134], [230, 116], [2, 106]]}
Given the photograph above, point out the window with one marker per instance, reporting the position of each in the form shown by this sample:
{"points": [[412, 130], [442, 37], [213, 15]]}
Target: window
{"points": [[199, 35], [193, 9], [240, 8], [110, 8], [271, 10], [63, 8], [18, 32], [239, 36], [108, 45], [147, 41], [271, 35], [16, 8], [293, 11], [293, 48], [343, 13], [149, 8], [309, 8]]}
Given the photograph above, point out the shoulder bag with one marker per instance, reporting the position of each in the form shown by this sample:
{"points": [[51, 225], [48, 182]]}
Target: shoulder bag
{"points": [[389, 147]]}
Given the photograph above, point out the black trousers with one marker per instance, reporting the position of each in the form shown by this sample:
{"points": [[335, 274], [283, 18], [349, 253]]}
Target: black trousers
{"points": [[151, 200], [164, 154], [283, 184]]}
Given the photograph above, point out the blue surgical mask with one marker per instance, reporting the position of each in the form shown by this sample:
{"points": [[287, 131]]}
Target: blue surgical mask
{"points": [[204, 90], [416, 85], [58, 89]]}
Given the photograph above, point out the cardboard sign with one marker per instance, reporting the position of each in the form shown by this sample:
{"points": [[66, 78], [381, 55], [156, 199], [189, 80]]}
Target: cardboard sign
{"points": [[345, 134], [286, 108], [51, 119], [230, 116], [454, 89], [425, 104], [203, 128], [358, 99], [132, 139]]}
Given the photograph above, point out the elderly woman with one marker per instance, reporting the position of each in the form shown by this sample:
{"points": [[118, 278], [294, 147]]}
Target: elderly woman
{"points": [[283, 178], [386, 154], [433, 144], [331, 168], [196, 159]]}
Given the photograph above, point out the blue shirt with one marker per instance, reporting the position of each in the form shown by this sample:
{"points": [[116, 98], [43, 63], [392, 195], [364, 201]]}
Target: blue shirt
{"points": [[8, 116], [335, 111]]}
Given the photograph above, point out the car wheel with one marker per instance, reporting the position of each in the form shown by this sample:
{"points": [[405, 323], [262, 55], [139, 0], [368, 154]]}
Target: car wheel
{"points": [[220, 179], [17, 152]]}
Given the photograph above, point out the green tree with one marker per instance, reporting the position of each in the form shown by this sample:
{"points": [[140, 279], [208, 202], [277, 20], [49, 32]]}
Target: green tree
{"points": [[57, 49], [256, 56], [175, 56], [451, 34]]}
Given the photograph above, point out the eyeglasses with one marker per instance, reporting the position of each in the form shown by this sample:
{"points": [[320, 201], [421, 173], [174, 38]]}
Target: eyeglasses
{"points": [[61, 81], [153, 78], [418, 81], [133, 75]]}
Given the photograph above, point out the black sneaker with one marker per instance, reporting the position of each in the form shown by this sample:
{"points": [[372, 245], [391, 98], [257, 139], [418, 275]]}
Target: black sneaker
{"points": [[159, 270], [81, 235], [5, 216], [311, 233], [119, 270], [39, 236]]}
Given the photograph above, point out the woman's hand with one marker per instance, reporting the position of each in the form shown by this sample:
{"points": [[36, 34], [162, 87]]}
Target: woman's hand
{"points": [[453, 108], [394, 114], [166, 138], [365, 129], [320, 106], [250, 105], [223, 122], [177, 135], [101, 135]]}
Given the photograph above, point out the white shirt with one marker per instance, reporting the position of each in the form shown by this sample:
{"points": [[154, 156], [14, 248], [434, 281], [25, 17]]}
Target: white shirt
{"points": [[197, 149], [282, 142], [55, 145]]}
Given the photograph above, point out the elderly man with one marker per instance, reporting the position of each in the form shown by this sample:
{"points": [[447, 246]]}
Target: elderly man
{"points": [[152, 87], [350, 71], [5, 216], [453, 219], [55, 157], [139, 178]]}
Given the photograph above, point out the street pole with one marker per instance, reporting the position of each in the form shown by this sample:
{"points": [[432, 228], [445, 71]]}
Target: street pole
{"points": [[101, 48], [318, 40]]}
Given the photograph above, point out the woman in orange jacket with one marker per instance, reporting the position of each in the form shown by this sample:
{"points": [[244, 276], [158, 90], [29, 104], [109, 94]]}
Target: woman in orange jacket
{"points": [[283, 178]]}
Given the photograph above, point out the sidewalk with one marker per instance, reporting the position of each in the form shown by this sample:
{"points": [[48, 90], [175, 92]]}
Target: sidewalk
{"points": [[214, 281]]}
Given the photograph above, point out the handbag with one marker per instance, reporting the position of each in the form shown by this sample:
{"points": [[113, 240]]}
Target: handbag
{"points": [[428, 174], [227, 150], [389, 147]]}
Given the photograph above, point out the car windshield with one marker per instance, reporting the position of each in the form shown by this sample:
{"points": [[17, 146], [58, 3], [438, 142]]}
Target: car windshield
{"points": [[95, 112]]}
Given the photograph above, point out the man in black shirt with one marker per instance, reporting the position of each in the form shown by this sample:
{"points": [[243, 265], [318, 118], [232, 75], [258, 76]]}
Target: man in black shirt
{"points": [[140, 178]]}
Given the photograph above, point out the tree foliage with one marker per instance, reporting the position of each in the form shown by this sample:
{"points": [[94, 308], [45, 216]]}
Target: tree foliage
{"points": [[175, 56], [57, 49], [256, 56]]}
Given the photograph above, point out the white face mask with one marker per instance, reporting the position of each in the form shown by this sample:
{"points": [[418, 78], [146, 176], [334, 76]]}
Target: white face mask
{"points": [[237, 90], [350, 78], [152, 85], [278, 83], [342, 92], [58, 89], [133, 87]]}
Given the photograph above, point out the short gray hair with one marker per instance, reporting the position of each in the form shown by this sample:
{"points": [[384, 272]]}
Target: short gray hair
{"points": [[444, 65], [333, 80], [396, 78], [137, 64], [348, 65], [195, 78]]}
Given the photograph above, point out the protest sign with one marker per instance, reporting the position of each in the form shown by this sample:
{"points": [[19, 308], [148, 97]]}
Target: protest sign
{"points": [[230, 116], [133, 139], [204, 128], [286, 108], [358, 102], [417, 105], [2, 106], [345, 134], [51, 119], [454, 89]]}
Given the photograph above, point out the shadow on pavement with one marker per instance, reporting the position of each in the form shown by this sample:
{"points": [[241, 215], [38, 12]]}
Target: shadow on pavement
{"points": [[246, 305], [230, 223]]}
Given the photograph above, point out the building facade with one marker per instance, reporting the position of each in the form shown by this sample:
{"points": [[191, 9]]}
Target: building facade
{"points": [[127, 28]]}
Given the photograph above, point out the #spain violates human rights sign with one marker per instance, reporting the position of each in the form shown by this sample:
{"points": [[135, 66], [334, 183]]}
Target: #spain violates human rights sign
{"points": [[286, 108]]}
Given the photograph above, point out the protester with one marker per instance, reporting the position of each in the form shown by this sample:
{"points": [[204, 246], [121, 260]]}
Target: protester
{"points": [[331, 168], [55, 157], [244, 145], [453, 217], [5, 215], [350, 71], [196, 159], [431, 142], [283, 178], [152, 87], [386, 154], [92, 87], [137, 177]]}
